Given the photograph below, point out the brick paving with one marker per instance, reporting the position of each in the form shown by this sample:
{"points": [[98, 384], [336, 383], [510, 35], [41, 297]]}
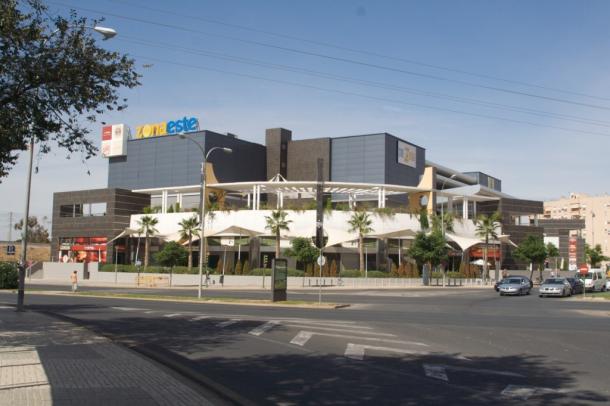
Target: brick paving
{"points": [[44, 361]]}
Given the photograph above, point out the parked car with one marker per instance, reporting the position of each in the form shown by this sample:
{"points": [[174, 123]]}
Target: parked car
{"points": [[517, 285], [576, 284], [594, 280], [555, 287], [498, 283]]}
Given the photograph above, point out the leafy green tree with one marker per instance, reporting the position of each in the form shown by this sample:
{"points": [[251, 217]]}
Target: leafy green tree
{"points": [[188, 229], [55, 81], [303, 250], [172, 254], [532, 249], [276, 223], [361, 223], [487, 228], [595, 255], [552, 252], [36, 231], [429, 248], [446, 221], [148, 228]]}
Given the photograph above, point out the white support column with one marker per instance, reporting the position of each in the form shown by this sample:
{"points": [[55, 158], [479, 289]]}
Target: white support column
{"points": [[465, 209], [258, 197], [179, 200], [450, 204], [383, 197], [379, 198], [254, 197], [249, 201], [164, 201], [474, 210], [281, 200]]}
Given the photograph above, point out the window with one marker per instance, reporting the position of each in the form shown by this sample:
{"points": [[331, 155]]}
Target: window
{"points": [[80, 210], [66, 210]]}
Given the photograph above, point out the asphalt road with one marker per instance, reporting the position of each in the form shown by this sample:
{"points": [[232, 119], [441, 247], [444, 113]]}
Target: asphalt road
{"points": [[392, 347]]}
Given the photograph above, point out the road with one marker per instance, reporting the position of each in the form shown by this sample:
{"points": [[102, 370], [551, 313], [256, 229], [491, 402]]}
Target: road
{"points": [[391, 347]]}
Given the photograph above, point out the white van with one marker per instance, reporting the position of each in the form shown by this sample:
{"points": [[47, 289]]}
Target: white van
{"points": [[594, 280]]}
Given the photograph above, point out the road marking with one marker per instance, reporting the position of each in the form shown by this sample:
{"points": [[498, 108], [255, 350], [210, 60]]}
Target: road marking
{"points": [[172, 315], [525, 392], [264, 327], [339, 329], [356, 351], [6, 307], [438, 371], [227, 323], [127, 309], [303, 336], [150, 311], [199, 318]]}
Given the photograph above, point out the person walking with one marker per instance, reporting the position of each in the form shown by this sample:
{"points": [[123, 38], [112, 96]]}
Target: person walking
{"points": [[74, 280]]}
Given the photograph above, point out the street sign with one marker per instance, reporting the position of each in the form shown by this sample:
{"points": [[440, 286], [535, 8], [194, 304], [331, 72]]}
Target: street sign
{"points": [[10, 250], [583, 269], [321, 260]]}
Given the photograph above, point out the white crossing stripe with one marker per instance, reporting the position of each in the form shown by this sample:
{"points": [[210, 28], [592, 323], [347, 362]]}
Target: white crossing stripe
{"points": [[227, 323], [150, 312], [526, 392], [356, 351], [264, 328], [6, 307], [439, 371], [299, 339], [127, 309], [436, 372], [341, 330], [172, 315], [200, 318]]}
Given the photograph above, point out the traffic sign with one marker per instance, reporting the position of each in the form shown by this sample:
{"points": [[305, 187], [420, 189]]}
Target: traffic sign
{"points": [[10, 250], [583, 269], [321, 260]]}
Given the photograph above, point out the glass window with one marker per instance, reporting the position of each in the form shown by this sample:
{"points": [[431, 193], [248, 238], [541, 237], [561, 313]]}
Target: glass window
{"points": [[98, 209], [190, 202], [66, 210]]}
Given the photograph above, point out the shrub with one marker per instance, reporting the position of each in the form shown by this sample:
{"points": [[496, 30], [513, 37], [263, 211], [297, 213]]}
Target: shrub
{"points": [[267, 272], [350, 273], [394, 270], [9, 275], [333, 268], [378, 274], [245, 270], [238, 268]]}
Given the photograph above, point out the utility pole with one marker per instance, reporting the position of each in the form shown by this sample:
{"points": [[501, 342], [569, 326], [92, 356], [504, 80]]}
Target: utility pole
{"points": [[320, 221]]}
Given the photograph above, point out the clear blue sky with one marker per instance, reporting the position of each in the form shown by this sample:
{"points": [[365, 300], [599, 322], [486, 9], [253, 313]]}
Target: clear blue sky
{"points": [[552, 44]]}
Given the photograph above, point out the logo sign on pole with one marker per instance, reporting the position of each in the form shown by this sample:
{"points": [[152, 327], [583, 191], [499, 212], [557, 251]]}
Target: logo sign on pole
{"points": [[321, 260], [10, 250], [227, 241], [583, 269]]}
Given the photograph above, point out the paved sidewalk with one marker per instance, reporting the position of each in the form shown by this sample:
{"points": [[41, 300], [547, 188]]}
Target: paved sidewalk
{"points": [[44, 361]]}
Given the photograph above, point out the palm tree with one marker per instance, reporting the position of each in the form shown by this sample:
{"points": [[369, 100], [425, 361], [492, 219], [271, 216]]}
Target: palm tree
{"points": [[277, 222], [361, 223], [487, 228], [188, 228], [147, 227]]}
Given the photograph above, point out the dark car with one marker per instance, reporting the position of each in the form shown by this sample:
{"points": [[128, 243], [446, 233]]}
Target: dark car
{"points": [[577, 285]]}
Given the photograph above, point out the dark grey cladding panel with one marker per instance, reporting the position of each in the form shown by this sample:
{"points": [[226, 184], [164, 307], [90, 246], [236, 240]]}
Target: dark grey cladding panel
{"points": [[170, 161], [358, 159]]}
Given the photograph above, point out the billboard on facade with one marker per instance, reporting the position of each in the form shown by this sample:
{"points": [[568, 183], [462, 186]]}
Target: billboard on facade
{"points": [[407, 154], [572, 261], [114, 140]]}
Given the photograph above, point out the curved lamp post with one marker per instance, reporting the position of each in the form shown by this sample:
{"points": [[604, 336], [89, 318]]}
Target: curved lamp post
{"points": [[202, 204], [443, 205], [107, 33]]}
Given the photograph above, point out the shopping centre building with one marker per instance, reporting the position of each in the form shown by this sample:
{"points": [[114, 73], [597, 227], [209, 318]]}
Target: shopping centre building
{"points": [[159, 171]]}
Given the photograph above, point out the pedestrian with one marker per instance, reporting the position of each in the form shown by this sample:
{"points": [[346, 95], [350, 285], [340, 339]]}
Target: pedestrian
{"points": [[74, 280]]}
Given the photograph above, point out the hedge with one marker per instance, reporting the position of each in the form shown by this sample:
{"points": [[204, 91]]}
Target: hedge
{"points": [[9, 275], [267, 272]]}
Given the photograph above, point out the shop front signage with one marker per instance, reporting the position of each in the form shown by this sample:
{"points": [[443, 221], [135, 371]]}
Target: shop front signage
{"points": [[572, 248], [181, 125]]}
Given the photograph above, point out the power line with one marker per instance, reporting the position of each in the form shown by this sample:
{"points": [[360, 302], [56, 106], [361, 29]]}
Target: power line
{"points": [[246, 75], [359, 51], [338, 59], [387, 86]]}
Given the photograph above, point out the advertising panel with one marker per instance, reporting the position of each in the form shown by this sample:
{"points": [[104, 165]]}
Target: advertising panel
{"points": [[407, 154], [572, 262], [182, 125], [114, 140]]}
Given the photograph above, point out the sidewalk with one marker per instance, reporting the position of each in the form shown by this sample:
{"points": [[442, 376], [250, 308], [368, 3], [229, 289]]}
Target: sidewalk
{"points": [[44, 361]]}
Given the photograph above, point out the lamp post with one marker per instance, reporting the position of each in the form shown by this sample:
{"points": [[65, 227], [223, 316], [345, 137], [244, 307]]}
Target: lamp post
{"points": [[107, 33], [443, 216], [202, 205]]}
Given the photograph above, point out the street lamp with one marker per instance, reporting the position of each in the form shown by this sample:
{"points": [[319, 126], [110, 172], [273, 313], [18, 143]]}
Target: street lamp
{"points": [[443, 216], [107, 33], [202, 204]]}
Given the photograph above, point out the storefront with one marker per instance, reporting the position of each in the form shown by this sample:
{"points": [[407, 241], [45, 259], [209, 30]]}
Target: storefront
{"points": [[83, 249]]}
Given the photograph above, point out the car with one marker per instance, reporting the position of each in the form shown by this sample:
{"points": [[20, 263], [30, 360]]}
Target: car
{"points": [[498, 283], [517, 285], [555, 287], [576, 284], [594, 280]]}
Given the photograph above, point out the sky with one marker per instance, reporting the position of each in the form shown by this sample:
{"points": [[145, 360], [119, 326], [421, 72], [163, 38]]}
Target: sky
{"points": [[515, 89]]}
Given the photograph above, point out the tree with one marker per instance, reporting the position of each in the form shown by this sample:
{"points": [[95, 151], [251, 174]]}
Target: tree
{"points": [[443, 222], [429, 248], [552, 252], [172, 254], [333, 269], [532, 249], [595, 255], [302, 250], [147, 227], [238, 268], [361, 224], [55, 81], [36, 231], [277, 222], [188, 228], [245, 270], [487, 228]]}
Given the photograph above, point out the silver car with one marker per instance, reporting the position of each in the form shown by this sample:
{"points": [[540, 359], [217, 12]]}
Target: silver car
{"points": [[515, 286], [555, 287]]}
